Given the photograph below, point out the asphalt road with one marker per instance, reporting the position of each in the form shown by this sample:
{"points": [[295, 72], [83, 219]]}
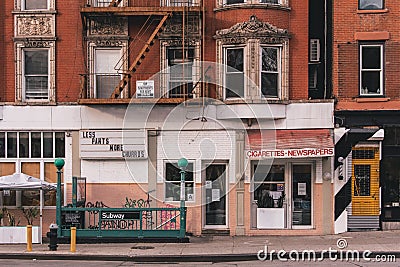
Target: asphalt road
{"points": [[74, 263]]}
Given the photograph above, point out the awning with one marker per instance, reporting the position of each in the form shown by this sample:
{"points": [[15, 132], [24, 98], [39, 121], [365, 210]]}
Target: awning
{"points": [[349, 139], [289, 143]]}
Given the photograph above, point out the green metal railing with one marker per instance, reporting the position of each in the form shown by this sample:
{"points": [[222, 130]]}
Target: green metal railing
{"points": [[123, 222]]}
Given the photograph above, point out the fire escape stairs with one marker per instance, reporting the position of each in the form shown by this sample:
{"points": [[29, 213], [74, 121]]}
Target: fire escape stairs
{"points": [[139, 59], [115, 3]]}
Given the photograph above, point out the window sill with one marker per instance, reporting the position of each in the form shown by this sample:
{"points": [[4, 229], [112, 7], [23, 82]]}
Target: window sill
{"points": [[373, 11], [35, 103], [34, 12], [364, 99], [251, 6]]}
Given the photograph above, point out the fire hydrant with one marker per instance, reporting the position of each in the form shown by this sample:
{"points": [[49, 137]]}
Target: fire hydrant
{"points": [[52, 235]]}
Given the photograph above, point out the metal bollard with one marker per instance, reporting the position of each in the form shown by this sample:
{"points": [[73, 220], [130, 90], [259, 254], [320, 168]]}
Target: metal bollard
{"points": [[73, 239], [29, 238], [52, 235]]}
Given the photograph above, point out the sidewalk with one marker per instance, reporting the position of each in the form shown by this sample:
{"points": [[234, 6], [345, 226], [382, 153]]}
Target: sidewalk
{"points": [[213, 248]]}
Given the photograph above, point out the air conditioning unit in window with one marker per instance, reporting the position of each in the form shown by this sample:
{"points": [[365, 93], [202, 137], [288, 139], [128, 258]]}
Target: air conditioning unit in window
{"points": [[314, 50]]}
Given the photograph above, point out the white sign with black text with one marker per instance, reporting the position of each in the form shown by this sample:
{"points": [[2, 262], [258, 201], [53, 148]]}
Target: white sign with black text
{"points": [[113, 144]]}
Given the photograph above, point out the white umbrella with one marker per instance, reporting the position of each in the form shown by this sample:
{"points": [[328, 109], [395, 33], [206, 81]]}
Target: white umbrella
{"points": [[22, 181]]}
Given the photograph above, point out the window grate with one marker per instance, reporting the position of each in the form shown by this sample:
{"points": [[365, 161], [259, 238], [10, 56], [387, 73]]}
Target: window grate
{"points": [[362, 182], [363, 154]]}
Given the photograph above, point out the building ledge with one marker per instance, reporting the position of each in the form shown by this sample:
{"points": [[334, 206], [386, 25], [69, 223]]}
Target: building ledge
{"points": [[251, 6], [126, 101]]}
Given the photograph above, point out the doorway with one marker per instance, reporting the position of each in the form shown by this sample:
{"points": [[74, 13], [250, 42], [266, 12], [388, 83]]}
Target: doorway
{"points": [[215, 211]]}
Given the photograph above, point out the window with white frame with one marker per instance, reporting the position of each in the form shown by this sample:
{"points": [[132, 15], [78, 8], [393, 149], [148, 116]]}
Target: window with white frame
{"points": [[180, 64], [173, 182], [371, 69], [106, 77], [232, 2], [269, 185], [36, 74], [370, 4], [234, 72], [31, 153], [270, 71], [35, 4]]}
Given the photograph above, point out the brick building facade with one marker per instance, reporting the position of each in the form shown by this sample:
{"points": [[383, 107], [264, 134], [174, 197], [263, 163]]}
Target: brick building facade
{"points": [[230, 85], [365, 66]]}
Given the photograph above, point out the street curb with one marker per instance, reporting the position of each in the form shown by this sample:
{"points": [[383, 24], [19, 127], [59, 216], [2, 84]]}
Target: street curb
{"points": [[180, 258]]}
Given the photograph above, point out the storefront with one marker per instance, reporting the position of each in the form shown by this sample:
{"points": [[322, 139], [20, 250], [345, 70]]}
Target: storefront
{"points": [[209, 180], [290, 189]]}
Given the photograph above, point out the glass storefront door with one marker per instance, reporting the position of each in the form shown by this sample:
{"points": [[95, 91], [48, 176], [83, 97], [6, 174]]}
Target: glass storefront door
{"points": [[215, 195], [301, 194]]}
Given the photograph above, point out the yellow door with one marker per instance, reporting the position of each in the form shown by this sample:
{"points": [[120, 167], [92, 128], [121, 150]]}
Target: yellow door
{"points": [[365, 181]]}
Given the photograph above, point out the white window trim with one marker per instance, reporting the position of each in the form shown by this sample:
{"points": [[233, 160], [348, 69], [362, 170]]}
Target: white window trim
{"points": [[359, 6], [165, 181], [20, 5], [19, 80], [164, 73], [252, 2], [225, 65], [92, 66], [24, 77], [279, 90], [381, 70]]}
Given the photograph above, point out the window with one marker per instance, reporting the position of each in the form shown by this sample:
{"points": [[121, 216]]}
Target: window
{"points": [[31, 153], [371, 70], [314, 50], [234, 73], [370, 4], [312, 76], [36, 74], [107, 63], [180, 63], [173, 182], [232, 2], [270, 71], [362, 181], [32, 145], [35, 4], [269, 185]]}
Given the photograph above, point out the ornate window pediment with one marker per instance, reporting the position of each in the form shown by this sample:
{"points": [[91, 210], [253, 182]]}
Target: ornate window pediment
{"points": [[265, 60], [254, 29]]}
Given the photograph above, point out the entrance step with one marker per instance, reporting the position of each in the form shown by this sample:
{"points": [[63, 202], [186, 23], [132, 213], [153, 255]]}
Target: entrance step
{"points": [[359, 223], [216, 232]]}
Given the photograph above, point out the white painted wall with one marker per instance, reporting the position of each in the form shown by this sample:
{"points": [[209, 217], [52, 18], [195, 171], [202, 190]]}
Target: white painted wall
{"points": [[196, 146], [114, 171]]}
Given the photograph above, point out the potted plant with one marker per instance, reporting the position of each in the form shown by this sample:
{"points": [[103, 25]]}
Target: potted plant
{"points": [[30, 214], [270, 211], [13, 233]]}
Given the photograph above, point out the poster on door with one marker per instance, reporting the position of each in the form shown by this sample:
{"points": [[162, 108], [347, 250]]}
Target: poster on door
{"points": [[302, 189], [215, 195]]}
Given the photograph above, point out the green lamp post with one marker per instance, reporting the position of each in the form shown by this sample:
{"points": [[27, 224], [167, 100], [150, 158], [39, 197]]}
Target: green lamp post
{"points": [[59, 163], [182, 164]]}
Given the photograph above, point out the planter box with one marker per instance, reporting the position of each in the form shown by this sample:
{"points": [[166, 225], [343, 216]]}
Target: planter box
{"points": [[17, 234], [270, 218]]}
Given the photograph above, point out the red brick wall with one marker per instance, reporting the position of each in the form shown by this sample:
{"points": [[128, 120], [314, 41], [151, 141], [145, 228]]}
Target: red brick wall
{"points": [[348, 21], [70, 59], [7, 63]]}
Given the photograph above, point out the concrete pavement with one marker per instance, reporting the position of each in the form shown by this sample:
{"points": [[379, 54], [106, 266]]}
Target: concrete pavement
{"points": [[215, 248]]}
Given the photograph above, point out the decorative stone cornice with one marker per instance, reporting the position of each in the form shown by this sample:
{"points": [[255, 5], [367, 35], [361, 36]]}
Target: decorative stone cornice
{"points": [[35, 26], [253, 28], [108, 26]]}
